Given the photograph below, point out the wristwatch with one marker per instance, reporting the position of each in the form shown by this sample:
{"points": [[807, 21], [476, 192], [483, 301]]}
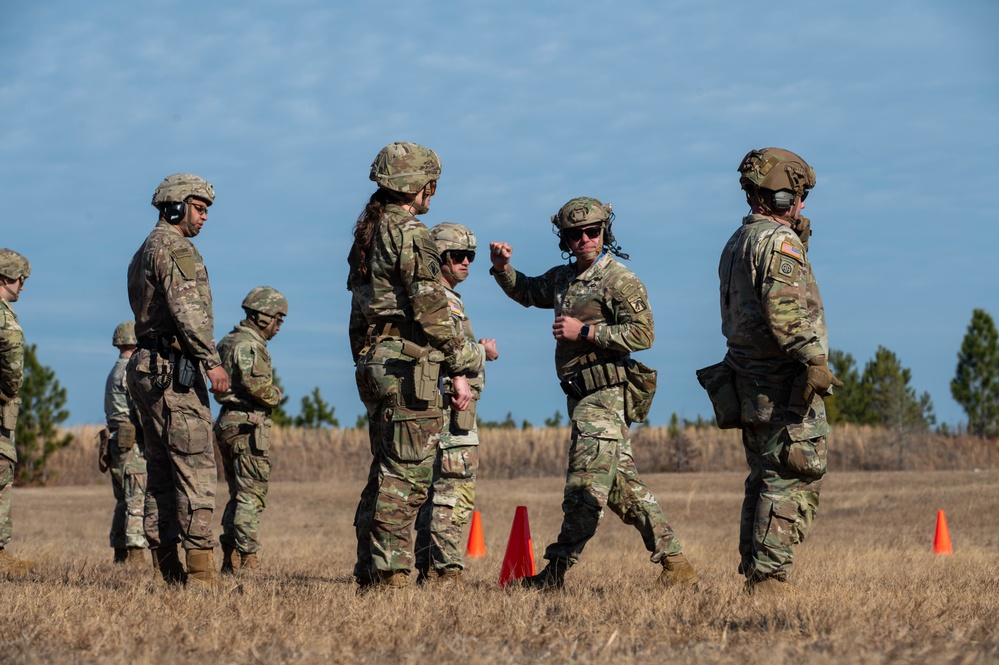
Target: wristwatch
{"points": [[584, 332]]}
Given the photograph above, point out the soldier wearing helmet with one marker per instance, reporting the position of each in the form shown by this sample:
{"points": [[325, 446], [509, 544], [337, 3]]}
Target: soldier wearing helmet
{"points": [[14, 269], [243, 427], [452, 495], [773, 321], [401, 338], [602, 315], [122, 455], [171, 298]]}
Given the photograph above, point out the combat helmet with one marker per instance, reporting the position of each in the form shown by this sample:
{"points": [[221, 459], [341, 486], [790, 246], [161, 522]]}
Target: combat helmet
{"points": [[405, 167], [266, 300], [124, 334], [770, 170], [14, 265], [450, 236], [178, 187], [585, 211]]}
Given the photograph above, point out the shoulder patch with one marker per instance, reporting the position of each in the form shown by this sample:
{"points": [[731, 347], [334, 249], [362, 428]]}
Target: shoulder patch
{"points": [[784, 269], [184, 258], [789, 249], [637, 303], [431, 262]]}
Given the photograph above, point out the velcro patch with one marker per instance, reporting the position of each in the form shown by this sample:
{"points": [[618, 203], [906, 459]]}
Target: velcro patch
{"points": [[637, 304], [455, 309], [791, 250], [184, 258], [784, 269]]}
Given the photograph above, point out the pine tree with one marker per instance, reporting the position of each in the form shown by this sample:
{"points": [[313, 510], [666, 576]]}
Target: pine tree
{"points": [[36, 435], [888, 398], [846, 404], [976, 382], [278, 413], [316, 412]]}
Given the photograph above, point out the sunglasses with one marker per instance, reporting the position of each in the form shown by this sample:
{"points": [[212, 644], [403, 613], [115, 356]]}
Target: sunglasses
{"points": [[459, 255], [575, 235]]}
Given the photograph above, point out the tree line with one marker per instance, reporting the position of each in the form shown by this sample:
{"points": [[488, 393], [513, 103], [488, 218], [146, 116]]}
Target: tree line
{"points": [[879, 395]]}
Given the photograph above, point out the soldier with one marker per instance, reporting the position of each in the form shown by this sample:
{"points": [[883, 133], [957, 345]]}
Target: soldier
{"points": [[172, 302], [243, 427], [121, 453], [401, 338], [602, 315], [452, 495], [773, 321], [14, 269]]}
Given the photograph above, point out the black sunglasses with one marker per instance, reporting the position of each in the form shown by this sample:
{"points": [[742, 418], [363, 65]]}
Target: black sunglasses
{"points": [[459, 255], [576, 234]]}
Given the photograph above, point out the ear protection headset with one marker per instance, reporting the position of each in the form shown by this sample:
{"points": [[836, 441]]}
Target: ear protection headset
{"points": [[783, 200], [174, 212]]}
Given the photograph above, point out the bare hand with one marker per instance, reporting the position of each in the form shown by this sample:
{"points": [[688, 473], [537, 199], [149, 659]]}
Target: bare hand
{"points": [[566, 328], [462, 397], [219, 379], [280, 396], [490, 347], [499, 254]]}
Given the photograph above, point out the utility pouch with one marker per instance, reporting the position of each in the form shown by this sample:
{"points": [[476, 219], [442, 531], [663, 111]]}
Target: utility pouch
{"points": [[261, 433], [573, 387], [426, 370], [103, 437], [464, 420], [8, 413], [184, 371], [126, 438], [639, 389], [719, 382]]}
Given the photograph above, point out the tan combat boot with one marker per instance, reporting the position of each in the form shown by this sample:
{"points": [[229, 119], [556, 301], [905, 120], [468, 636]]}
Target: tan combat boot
{"points": [[551, 578], [392, 579], [768, 588], [232, 560], [201, 569], [12, 566], [135, 557], [249, 563], [677, 572], [166, 565]]}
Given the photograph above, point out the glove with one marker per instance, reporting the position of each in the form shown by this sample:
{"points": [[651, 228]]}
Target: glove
{"points": [[820, 378]]}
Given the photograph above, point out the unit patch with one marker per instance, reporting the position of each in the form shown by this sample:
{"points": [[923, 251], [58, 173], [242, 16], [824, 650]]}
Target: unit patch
{"points": [[184, 258], [637, 304]]}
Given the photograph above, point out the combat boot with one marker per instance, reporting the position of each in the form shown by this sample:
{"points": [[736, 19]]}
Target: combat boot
{"points": [[135, 557], [232, 560], [120, 554], [167, 566], [249, 564], [12, 566], [551, 578], [677, 572], [201, 569], [392, 579], [768, 588]]}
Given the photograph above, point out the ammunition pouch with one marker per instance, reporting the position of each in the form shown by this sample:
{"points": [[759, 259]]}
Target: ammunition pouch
{"points": [[125, 438], [719, 382], [8, 413], [103, 437], [464, 421], [593, 373]]}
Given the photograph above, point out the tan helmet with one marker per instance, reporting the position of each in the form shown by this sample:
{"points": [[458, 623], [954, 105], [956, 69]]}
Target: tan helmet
{"points": [[450, 236], [178, 187], [405, 167], [124, 334], [14, 265], [582, 211], [774, 170], [266, 300]]}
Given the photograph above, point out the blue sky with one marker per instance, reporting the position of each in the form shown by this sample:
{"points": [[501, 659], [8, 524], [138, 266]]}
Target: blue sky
{"points": [[649, 106]]}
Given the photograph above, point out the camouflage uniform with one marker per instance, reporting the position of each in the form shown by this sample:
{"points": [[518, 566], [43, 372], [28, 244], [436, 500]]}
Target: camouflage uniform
{"points": [[402, 304], [127, 467], [773, 320], [243, 434], [11, 376], [172, 301], [601, 470], [452, 496]]}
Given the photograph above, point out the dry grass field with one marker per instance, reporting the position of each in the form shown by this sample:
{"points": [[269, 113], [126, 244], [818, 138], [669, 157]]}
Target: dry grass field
{"points": [[869, 588]]}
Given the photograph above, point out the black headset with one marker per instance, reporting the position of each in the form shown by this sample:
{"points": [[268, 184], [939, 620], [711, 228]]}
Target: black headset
{"points": [[174, 212]]}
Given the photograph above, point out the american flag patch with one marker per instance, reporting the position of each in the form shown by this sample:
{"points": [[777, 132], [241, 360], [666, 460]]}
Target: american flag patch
{"points": [[454, 308], [791, 250]]}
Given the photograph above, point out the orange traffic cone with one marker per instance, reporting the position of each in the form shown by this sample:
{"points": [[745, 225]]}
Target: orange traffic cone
{"points": [[476, 543], [941, 542], [518, 561]]}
